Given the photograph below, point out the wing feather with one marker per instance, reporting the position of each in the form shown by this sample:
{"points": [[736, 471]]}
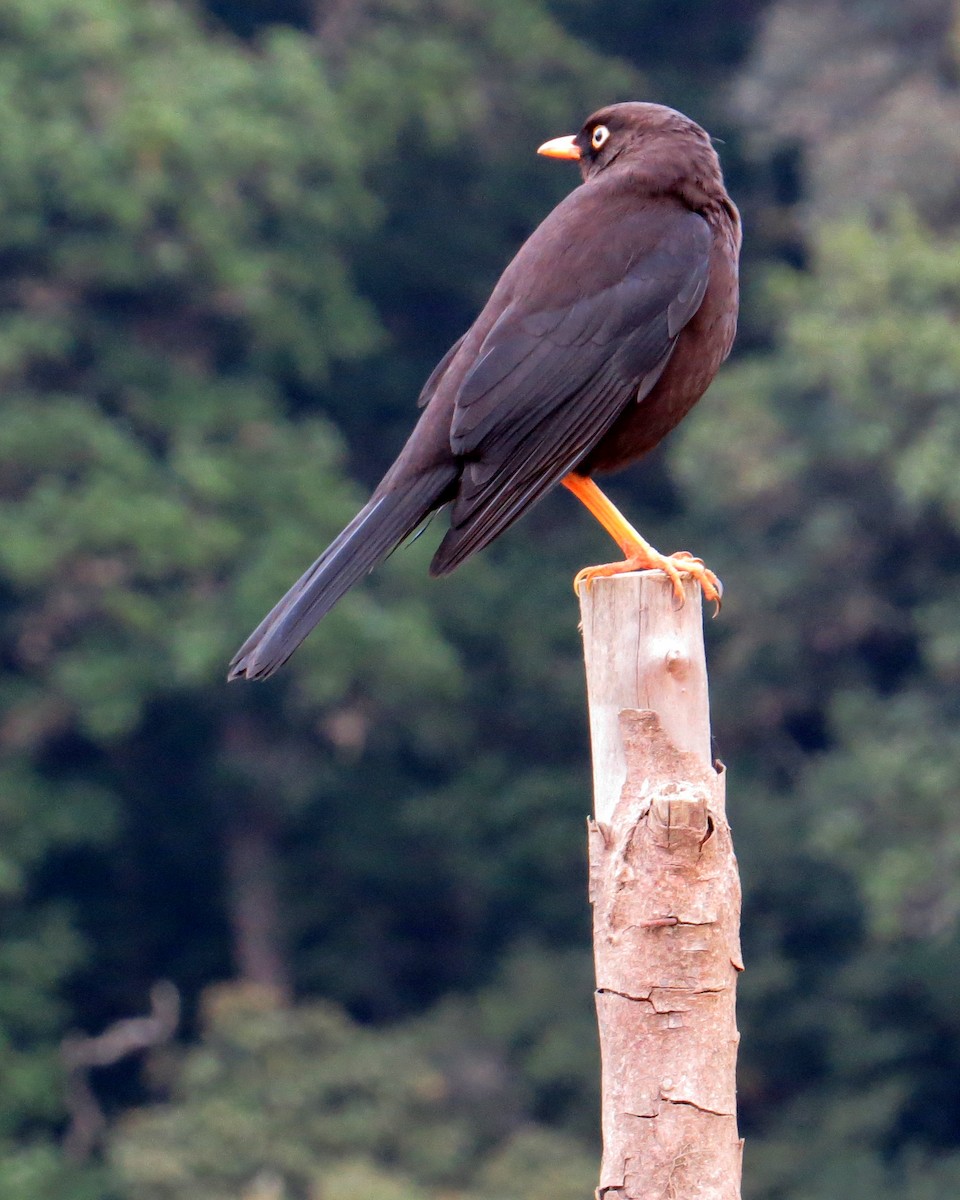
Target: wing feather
{"points": [[529, 481]]}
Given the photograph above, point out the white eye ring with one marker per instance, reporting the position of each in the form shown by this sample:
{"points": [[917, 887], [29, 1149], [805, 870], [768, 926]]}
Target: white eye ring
{"points": [[599, 136]]}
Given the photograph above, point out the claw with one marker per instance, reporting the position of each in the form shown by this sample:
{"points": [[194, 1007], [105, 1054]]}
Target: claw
{"points": [[674, 566]]}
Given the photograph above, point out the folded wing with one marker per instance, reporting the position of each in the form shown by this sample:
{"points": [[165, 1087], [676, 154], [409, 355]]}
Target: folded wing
{"points": [[549, 381]]}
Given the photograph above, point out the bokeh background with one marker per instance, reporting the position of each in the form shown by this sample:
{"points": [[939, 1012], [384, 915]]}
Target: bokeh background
{"points": [[235, 236]]}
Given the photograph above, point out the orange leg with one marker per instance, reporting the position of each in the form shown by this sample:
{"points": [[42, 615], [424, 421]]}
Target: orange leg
{"points": [[640, 555]]}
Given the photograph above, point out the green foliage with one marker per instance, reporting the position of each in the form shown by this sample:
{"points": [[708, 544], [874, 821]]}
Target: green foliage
{"points": [[35, 1171], [149, 340], [384, 1113], [39, 945], [175, 220], [853, 105]]}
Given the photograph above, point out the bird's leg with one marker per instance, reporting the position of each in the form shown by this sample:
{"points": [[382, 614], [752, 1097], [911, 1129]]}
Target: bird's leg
{"points": [[640, 555]]}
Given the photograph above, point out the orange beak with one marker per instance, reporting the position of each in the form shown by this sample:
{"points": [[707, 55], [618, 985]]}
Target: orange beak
{"points": [[561, 147]]}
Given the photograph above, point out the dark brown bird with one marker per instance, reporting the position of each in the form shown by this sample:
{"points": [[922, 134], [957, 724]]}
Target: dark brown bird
{"points": [[600, 335]]}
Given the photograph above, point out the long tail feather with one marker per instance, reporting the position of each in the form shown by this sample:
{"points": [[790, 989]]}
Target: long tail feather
{"points": [[379, 527]]}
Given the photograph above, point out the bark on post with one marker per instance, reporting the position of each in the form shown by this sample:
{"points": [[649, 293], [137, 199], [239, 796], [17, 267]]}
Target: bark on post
{"points": [[666, 899]]}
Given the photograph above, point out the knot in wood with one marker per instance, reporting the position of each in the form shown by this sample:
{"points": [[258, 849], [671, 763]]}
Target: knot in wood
{"points": [[680, 817], [676, 662]]}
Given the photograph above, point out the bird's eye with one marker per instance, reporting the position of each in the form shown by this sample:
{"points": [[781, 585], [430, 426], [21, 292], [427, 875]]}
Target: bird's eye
{"points": [[599, 136]]}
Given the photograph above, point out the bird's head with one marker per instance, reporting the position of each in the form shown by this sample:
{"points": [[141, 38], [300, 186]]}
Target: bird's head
{"points": [[648, 137]]}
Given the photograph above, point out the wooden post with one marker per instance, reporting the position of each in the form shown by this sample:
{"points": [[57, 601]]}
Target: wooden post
{"points": [[666, 899]]}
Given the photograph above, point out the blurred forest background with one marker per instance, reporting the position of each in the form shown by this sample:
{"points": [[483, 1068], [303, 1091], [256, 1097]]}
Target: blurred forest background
{"points": [[235, 236]]}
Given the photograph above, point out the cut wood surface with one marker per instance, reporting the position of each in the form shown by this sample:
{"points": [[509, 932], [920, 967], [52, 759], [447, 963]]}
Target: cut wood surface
{"points": [[666, 899]]}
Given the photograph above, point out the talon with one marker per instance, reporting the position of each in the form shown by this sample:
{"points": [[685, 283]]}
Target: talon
{"points": [[674, 566]]}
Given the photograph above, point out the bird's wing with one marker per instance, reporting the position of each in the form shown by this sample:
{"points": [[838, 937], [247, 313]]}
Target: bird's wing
{"points": [[550, 380], [438, 372]]}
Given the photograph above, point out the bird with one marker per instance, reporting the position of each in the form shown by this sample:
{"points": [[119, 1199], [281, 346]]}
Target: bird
{"points": [[601, 334]]}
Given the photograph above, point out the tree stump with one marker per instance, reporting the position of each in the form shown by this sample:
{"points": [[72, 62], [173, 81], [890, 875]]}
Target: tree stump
{"points": [[666, 899]]}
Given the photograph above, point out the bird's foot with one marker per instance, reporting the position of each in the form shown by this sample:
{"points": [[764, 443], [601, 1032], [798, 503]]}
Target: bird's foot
{"points": [[644, 558]]}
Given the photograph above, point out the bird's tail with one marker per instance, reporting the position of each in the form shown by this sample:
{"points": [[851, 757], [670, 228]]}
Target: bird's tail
{"points": [[377, 529]]}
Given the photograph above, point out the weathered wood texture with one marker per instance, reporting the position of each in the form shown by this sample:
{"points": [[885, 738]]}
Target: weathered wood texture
{"points": [[666, 900]]}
